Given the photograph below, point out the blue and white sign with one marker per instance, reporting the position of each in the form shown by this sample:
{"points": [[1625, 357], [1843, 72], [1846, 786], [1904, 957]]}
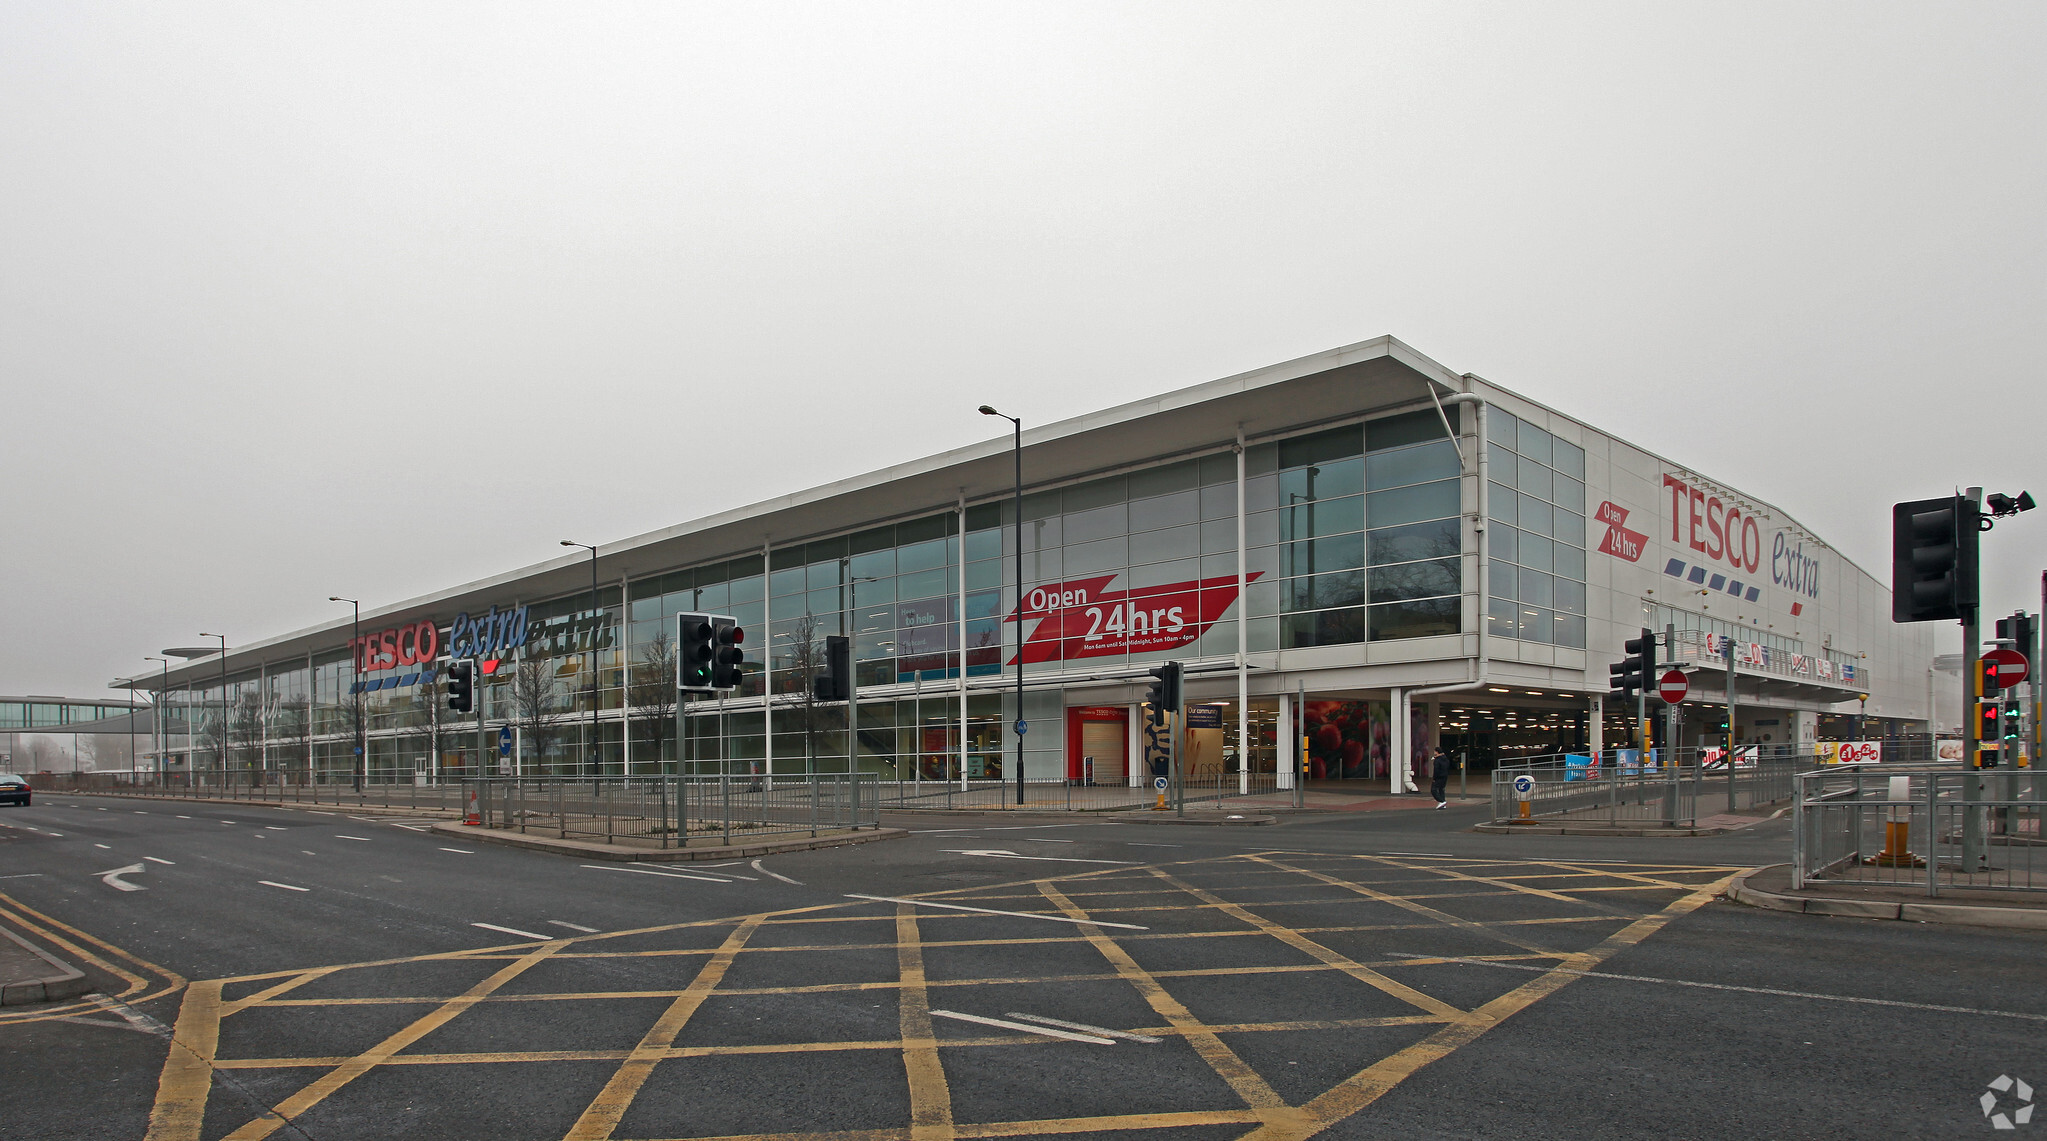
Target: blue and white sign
{"points": [[504, 741], [1022, 726], [1523, 785], [495, 634], [1159, 783]]}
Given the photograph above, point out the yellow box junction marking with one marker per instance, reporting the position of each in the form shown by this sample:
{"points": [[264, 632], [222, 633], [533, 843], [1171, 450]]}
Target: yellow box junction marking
{"points": [[1234, 890]]}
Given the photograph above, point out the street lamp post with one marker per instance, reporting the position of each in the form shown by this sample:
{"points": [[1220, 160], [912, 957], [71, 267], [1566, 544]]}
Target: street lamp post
{"points": [[156, 711], [355, 655], [223, 706], [1016, 423], [596, 617]]}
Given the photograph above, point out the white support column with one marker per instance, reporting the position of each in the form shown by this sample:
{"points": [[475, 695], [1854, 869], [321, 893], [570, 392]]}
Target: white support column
{"points": [[1596, 738], [1285, 763], [962, 563], [1396, 744], [1134, 768], [767, 675], [1243, 628]]}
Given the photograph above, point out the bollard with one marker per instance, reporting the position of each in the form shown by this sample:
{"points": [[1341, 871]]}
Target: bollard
{"points": [[1524, 791], [1897, 852]]}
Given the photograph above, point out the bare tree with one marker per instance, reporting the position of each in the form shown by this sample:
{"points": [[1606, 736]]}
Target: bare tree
{"points": [[537, 704], [429, 723], [806, 664], [295, 731], [650, 699], [245, 730]]}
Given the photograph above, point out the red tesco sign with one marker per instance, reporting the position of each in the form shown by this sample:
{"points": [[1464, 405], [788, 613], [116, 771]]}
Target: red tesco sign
{"points": [[416, 644]]}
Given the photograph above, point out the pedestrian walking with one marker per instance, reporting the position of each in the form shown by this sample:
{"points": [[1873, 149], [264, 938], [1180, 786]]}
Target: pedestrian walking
{"points": [[1439, 777]]}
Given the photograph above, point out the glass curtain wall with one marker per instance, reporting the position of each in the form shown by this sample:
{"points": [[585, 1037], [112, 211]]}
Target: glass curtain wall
{"points": [[1537, 533]]}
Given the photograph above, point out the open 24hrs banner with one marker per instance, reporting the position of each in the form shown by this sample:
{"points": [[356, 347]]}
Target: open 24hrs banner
{"points": [[1084, 618]]}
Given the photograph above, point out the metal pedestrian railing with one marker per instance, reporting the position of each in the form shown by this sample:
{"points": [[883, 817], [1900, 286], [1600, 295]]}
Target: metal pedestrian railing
{"points": [[1671, 788], [1065, 796], [1920, 827], [380, 790], [674, 811]]}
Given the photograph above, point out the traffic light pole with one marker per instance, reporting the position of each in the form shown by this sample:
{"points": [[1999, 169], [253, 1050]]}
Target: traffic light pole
{"points": [[1728, 646]]}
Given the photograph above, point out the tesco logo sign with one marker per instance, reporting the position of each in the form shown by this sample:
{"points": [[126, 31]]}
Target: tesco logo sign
{"points": [[416, 644], [1713, 527]]}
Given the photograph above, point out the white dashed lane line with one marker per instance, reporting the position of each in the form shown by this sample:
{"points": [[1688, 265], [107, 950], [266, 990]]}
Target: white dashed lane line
{"points": [[572, 926], [511, 931], [459, 851], [158, 860], [285, 886], [339, 836]]}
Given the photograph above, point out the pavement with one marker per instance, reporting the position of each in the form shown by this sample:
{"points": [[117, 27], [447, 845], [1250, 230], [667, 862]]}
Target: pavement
{"points": [[1770, 887], [1342, 975]]}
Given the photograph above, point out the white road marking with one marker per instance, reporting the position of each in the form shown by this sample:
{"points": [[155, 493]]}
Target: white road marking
{"points": [[414, 827], [510, 931], [140, 812], [1136, 844], [317, 812], [273, 827], [1006, 854], [459, 851], [302, 851], [158, 860], [652, 872], [227, 822], [756, 866], [1431, 855], [184, 818], [113, 878], [573, 926], [992, 911], [108, 846], [339, 836], [23, 876], [285, 886], [1084, 1028], [1090, 1039], [58, 835], [1042, 840], [1731, 987]]}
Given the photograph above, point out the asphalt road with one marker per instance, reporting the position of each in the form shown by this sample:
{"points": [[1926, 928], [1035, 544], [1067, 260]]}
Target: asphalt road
{"points": [[1383, 974]]}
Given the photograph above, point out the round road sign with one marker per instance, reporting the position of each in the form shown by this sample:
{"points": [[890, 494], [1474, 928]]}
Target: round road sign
{"points": [[1673, 686], [1524, 784], [1159, 783], [2009, 664]]}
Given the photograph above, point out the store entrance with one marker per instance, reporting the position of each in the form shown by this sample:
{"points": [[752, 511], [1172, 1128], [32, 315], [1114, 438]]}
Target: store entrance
{"points": [[1097, 745]]}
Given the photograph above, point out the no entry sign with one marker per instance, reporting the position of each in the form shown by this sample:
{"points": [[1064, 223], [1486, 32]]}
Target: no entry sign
{"points": [[2009, 664], [1672, 686]]}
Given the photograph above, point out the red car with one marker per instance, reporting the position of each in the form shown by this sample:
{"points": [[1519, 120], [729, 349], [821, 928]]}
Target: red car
{"points": [[14, 789]]}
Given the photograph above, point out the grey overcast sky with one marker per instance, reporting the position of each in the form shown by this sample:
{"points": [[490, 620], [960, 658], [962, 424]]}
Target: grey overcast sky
{"points": [[300, 300]]}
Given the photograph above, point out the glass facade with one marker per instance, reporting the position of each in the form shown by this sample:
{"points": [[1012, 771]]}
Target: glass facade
{"points": [[1536, 533], [1353, 534]]}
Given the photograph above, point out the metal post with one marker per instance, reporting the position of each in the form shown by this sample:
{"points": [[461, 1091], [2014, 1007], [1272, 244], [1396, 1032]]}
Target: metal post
{"points": [[1973, 851], [1731, 736], [1301, 737], [1018, 497]]}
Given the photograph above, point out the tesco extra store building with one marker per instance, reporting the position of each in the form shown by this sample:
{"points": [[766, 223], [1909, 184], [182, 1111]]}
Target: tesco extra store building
{"points": [[1360, 546]]}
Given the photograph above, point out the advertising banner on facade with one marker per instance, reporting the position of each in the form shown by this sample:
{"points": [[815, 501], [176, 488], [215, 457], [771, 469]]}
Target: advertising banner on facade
{"points": [[1084, 618]]}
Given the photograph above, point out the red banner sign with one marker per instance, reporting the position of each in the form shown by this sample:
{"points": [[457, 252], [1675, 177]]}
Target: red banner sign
{"points": [[1619, 542], [1085, 619]]}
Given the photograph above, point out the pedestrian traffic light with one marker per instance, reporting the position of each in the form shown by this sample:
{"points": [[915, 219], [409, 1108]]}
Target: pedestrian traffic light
{"points": [[1635, 673], [1986, 679], [1989, 731], [727, 635], [1164, 695], [831, 683], [695, 645], [462, 685], [1933, 559], [2014, 724]]}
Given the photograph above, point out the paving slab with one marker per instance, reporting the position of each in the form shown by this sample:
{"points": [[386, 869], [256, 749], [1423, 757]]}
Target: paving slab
{"points": [[30, 974]]}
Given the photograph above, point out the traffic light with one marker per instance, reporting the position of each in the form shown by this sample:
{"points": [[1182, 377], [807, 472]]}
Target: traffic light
{"points": [[1933, 559], [695, 645], [462, 685], [1989, 731], [1636, 672], [727, 634], [1986, 680], [1164, 694], [2014, 723], [2018, 631], [831, 683]]}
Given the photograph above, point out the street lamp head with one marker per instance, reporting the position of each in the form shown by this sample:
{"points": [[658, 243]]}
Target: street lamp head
{"points": [[338, 598], [570, 543], [989, 410]]}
